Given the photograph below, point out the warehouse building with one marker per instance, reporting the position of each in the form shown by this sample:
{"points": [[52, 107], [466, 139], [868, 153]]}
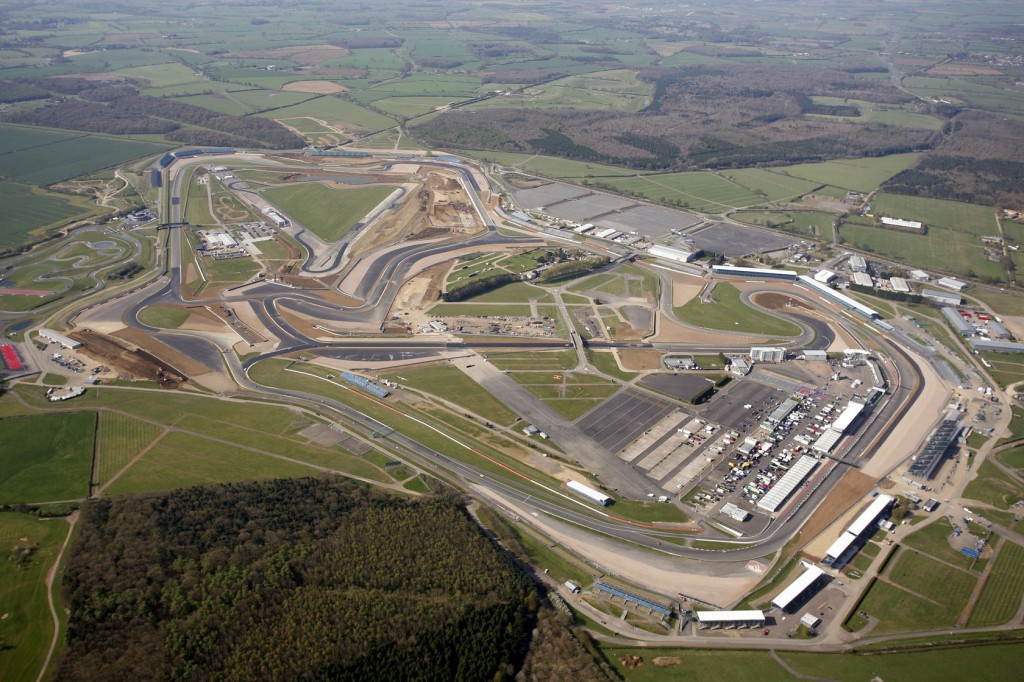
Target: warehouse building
{"points": [[997, 346], [824, 276], [797, 592], [899, 284], [920, 275], [998, 331], [715, 620], [739, 367], [752, 273], [816, 355], [902, 224], [950, 283], [858, 264], [56, 337], [957, 322], [669, 253], [735, 513], [863, 279], [942, 297]]}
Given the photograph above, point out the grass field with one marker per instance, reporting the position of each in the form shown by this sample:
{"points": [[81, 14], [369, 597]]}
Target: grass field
{"points": [[1007, 368], [814, 224], [985, 663], [46, 160], [329, 213], [1013, 458], [884, 114], [121, 438], [28, 209], [994, 487], [1001, 597], [936, 581], [702, 191], [571, 394], [481, 310], [551, 166], [861, 175], [535, 360], [617, 90], [771, 186], [899, 611], [26, 627], [453, 385], [932, 540], [1002, 302], [516, 292], [46, 457], [729, 313], [163, 316], [334, 111]]}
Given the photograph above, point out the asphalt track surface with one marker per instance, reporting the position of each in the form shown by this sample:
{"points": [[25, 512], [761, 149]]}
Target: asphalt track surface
{"points": [[381, 285]]}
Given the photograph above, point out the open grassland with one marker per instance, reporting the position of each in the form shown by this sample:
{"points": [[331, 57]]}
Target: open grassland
{"points": [[329, 213], [453, 385], [229, 271], [481, 309], [1002, 302], [121, 438], [813, 224], [730, 313], [861, 175], [63, 157], [884, 114], [993, 486], [571, 394], [985, 663], [535, 360], [933, 541], [27, 209], [617, 90], [1001, 597], [337, 112], [1013, 458], [771, 186], [703, 191], [516, 292], [181, 460], [408, 107], [46, 457], [933, 580], [26, 627], [897, 610], [1007, 368]]}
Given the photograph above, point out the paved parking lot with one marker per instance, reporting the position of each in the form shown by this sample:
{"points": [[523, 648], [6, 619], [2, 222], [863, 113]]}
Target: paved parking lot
{"points": [[733, 240], [650, 221], [727, 409], [583, 209], [621, 419], [545, 195], [682, 386]]}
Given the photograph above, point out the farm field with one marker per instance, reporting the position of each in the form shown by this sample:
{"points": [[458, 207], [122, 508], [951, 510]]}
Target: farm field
{"points": [[813, 224], [121, 438], [329, 213], [1007, 368], [884, 114], [861, 175], [729, 313], [701, 191], [617, 90], [26, 627], [1001, 597], [334, 111], [28, 209], [772, 186], [451, 384], [67, 157], [1003, 303], [46, 457]]}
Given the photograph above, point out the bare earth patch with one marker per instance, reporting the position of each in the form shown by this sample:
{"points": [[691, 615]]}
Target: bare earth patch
{"points": [[639, 360], [963, 70], [316, 87], [834, 512]]}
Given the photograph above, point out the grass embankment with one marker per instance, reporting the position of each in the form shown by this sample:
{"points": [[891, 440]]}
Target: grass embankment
{"points": [[328, 213]]}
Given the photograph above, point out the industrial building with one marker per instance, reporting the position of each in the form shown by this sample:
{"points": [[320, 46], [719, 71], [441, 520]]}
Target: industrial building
{"points": [[780, 492], [840, 297], [730, 619], [849, 542], [669, 253], [863, 279], [766, 354], [858, 264], [739, 367], [899, 284], [824, 276], [903, 224], [829, 438], [920, 275], [816, 355], [942, 297], [681, 363], [735, 513], [793, 596], [957, 322], [782, 411], [950, 283], [64, 341], [752, 273], [928, 461], [998, 331], [997, 346]]}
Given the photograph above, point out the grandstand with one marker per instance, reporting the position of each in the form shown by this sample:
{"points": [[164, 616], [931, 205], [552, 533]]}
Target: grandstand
{"points": [[730, 619], [840, 297], [366, 384], [339, 152], [752, 273], [848, 543], [10, 358], [781, 491], [927, 463], [793, 596], [627, 596], [167, 159]]}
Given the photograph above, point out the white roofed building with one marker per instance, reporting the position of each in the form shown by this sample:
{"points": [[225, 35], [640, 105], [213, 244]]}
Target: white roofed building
{"points": [[766, 354], [794, 593], [951, 283], [670, 253], [899, 284], [863, 279], [824, 276]]}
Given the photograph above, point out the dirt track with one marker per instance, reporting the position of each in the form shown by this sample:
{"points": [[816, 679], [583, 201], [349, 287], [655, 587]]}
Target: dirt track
{"points": [[137, 362]]}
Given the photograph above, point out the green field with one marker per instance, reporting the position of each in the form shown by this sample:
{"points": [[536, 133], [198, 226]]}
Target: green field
{"points": [[535, 360], [985, 663], [772, 186], [46, 457], [50, 157], [813, 224], [993, 486], [933, 541], [1013, 458], [453, 385], [702, 191], [884, 114], [481, 310], [120, 439], [329, 213], [1001, 596], [1007, 368], [551, 166], [617, 90], [28, 209], [334, 111], [26, 629], [729, 313], [516, 292], [861, 175], [163, 316], [933, 580]]}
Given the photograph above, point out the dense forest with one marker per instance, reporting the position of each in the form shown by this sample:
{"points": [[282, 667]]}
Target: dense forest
{"points": [[120, 110], [291, 580]]}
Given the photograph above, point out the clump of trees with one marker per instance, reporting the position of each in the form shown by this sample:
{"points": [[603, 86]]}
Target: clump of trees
{"points": [[126, 272], [480, 285], [574, 268], [291, 579]]}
